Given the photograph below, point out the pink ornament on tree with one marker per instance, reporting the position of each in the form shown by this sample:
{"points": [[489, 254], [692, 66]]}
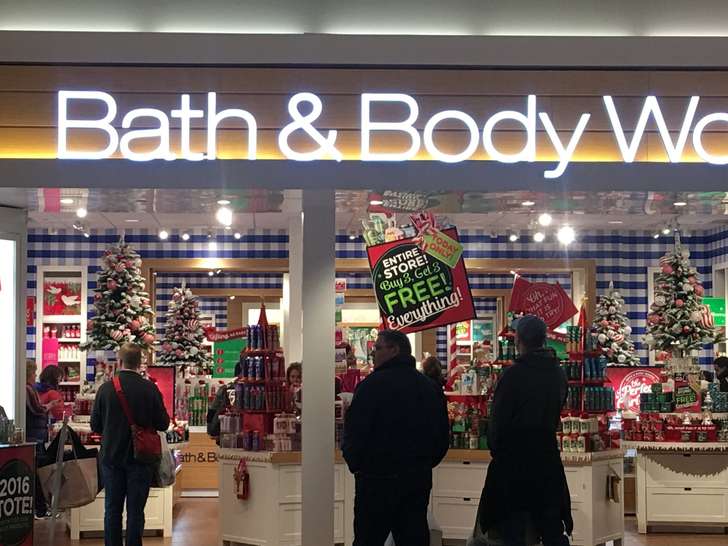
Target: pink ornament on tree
{"points": [[121, 266], [667, 269], [699, 290], [167, 348], [111, 284], [179, 352], [134, 325], [679, 303], [148, 338], [692, 279], [116, 335]]}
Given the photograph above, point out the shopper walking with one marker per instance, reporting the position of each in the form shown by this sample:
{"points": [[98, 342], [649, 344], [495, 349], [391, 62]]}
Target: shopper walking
{"points": [[123, 477], [526, 485], [47, 388], [432, 368], [396, 431]]}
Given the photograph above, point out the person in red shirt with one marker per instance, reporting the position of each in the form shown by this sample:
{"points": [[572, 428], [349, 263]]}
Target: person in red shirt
{"points": [[47, 389]]}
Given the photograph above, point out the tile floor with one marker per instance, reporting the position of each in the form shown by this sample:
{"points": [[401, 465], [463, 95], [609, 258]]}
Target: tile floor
{"points": [[196, 525]]}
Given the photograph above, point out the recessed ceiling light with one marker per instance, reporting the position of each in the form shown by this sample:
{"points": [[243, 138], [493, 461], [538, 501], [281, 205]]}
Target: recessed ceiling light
{"points": [[680, 203], [513, 237], [528, 204], [376, 202], [210, 273], [566, 235], [615, 222], [656, 236], [224, 216], [539, 236], [81, 212], [86, 234], [545, 219], [223, 202], [666, 231], [163, 234], [228, 228], [131, 220], [237, 235], [185, 236], [66, 201], [232, 297]]}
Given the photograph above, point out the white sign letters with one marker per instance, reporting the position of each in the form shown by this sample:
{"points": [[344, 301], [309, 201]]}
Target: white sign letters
{"points": [[157, 130]]}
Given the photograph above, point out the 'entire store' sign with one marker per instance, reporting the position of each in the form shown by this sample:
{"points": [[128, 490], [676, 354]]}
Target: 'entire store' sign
{"points": [[306, 108]]}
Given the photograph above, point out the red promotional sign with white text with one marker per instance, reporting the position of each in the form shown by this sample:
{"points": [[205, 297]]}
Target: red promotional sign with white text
{"points": [[629, 383], [415, 290], [550, 302]]}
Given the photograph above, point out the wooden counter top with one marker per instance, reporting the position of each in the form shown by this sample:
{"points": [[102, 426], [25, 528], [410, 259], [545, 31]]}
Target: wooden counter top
{"points": [[453, 456]]}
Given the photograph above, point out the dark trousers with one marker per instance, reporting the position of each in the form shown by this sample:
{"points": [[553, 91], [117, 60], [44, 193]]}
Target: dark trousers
{"points": [[392, 504], [130, 481], [41, 506], [547, 525]]}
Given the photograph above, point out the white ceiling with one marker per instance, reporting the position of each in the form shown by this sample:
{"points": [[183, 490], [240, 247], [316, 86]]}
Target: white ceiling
{"points": [[494, 212]]}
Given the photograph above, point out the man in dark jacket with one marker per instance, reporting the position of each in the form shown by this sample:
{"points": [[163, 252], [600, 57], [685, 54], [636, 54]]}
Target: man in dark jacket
{"points": [[526, 485], [123, 477], [721, 372], [396, 432]]}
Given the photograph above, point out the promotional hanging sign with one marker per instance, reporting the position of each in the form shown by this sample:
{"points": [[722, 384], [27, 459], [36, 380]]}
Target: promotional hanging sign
{"points": [[550, 302], [415, 290]]}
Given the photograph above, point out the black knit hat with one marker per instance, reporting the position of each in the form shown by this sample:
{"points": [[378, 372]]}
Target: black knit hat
{"points": [[531, 331]]}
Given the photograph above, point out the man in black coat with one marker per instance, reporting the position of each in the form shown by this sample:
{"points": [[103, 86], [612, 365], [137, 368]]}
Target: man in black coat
{"points": [[526, 484], [123, 476], [396, 432]]}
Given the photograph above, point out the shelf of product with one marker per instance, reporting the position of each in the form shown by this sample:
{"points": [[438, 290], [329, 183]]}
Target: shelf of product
{"points": [[61, 321]]}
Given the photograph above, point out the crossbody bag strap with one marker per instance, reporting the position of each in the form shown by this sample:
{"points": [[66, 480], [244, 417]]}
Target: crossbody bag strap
{"points": [[122, 400]]}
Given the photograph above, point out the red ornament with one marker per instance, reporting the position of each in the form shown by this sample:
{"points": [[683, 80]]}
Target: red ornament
{"points": [[604, 323], [134, 325], [89, 325], [667, 269], [148, 339], [662, 356], [111, 284], [699, 290], [654, 319], [167, 348], [178, 352], [679, 303], [686, 329], [116, 335]]}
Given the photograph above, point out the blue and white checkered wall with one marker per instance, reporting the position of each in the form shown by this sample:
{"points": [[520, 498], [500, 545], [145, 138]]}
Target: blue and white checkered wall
{"points": [[622, 257], [72, 248]]}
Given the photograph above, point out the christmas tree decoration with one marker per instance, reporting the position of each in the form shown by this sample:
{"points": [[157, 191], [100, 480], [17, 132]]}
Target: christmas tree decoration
{"points": [[184, 335], [678, 323], [613, 334], [121, 305]]}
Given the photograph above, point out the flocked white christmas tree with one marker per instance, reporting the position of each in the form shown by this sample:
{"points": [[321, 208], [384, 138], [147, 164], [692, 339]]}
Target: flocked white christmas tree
{"points": [[184, 336], [678, 323], [612, 330], [123, 313]]}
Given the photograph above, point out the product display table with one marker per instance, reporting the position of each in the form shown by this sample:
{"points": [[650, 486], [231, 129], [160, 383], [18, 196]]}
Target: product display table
{"points": [[271, 515], [458, 483], [681, 483]]}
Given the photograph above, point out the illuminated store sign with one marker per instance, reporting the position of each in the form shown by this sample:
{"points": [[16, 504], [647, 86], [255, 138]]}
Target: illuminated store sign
{"points": [[305, 109]]}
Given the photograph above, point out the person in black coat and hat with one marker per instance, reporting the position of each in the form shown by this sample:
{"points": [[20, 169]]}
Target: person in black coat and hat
{"points": [[395, 432], [526, 485]]}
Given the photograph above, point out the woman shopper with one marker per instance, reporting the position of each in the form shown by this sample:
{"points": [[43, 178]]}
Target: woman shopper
{"points": [[36, 426], [47, 389]]}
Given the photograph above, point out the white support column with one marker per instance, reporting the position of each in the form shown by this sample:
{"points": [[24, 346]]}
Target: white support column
{"points": [[291, 303], [317, 288]]}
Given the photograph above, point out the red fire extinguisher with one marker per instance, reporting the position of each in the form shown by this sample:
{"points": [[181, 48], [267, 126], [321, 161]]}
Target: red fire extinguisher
{"points": [[242, 480]]}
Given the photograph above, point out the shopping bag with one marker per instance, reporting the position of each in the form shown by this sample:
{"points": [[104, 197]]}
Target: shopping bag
{"points": [[435, 532], [165, 471], [69, 482]]}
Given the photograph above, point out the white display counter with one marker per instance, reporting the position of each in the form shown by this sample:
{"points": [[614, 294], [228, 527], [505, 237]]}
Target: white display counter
{"points": [[681, 484], [272, 513]]}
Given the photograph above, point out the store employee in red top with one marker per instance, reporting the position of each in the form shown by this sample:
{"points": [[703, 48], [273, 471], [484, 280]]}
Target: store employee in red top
{"points": [[395, 432], [124, 478]]}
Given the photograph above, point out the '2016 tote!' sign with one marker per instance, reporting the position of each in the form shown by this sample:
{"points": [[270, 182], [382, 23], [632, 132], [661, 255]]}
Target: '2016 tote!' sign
{"points": [[416, 291]]}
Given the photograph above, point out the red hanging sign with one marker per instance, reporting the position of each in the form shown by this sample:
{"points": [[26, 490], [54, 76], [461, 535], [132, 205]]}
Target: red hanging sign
{"points": [[212, 334], [415, 290], [30, 311], [550, 302]]}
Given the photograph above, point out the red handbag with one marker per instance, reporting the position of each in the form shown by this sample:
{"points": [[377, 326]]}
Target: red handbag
{"points": [[146, 442]]}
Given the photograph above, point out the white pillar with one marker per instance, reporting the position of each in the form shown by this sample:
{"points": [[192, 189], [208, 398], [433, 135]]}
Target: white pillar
{"points": [[318, 275], [292, 301]]}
